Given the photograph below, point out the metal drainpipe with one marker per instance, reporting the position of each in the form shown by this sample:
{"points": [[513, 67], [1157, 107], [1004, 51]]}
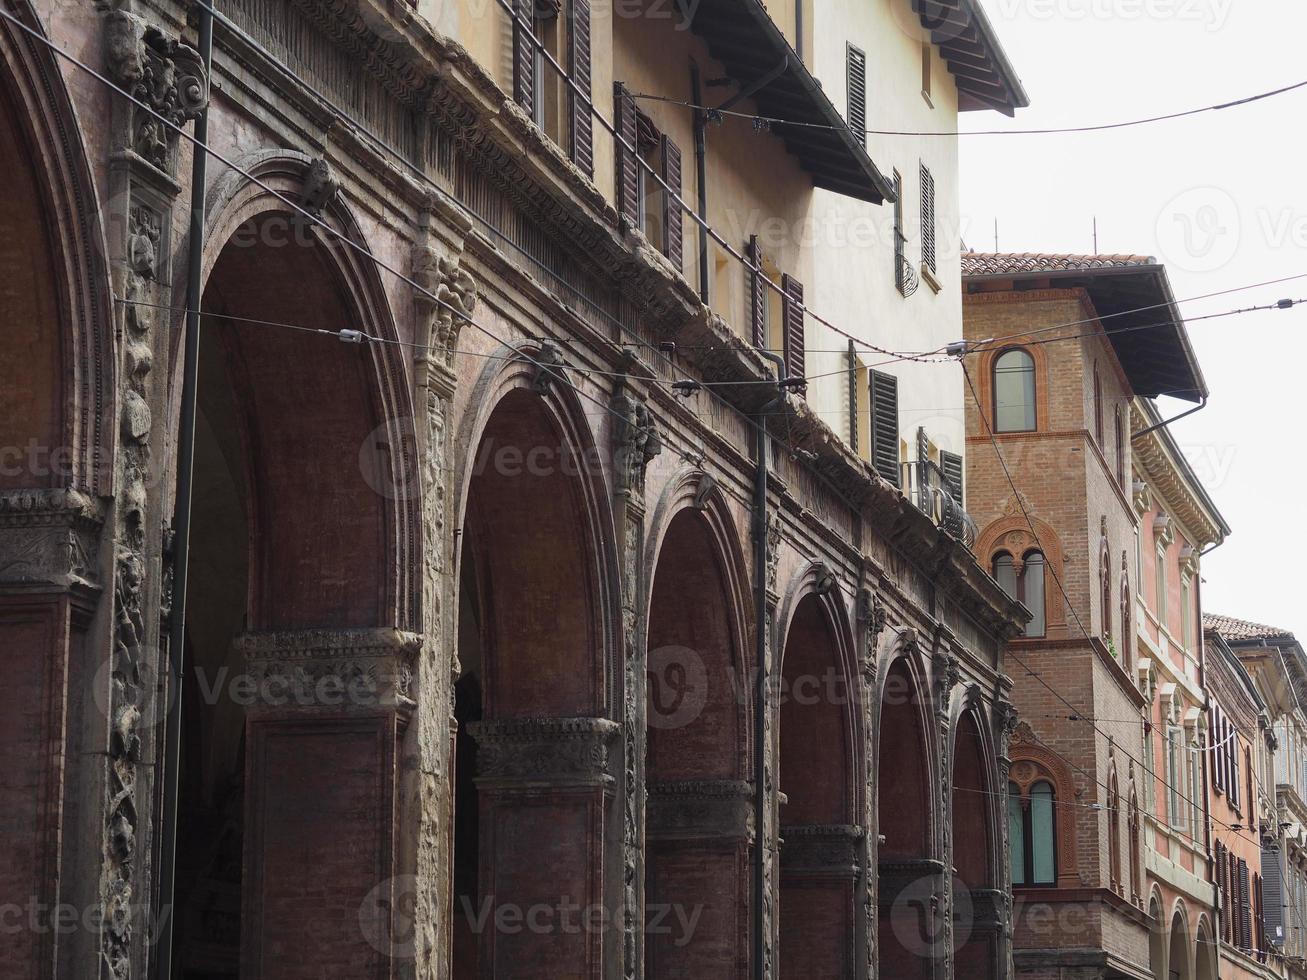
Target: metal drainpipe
{"points": [[760, 706], [163, 953]]}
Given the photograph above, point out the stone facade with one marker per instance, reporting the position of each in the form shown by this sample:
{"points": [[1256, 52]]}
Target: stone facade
{"points": [[476, 597]]}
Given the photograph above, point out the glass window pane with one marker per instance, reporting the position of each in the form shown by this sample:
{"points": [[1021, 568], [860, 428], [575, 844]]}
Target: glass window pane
{"points": [[1005, 574], [1032, 581], [1014, 392], [1041, 834], [1016, 831]]}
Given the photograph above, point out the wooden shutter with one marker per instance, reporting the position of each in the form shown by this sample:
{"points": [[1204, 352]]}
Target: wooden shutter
{"points": [[757, 294], [928, 218], [524, 57], [852, 366], [1272, 896], [1218, 782], [582, 119], [951, 465], [885, 426], [628, 180], [1245, 908], [672, 214], [857, 83], [1222, 900], [795, 351]]}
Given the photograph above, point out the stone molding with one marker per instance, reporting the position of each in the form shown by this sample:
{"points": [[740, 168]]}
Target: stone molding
{"points": [[701, 810], [346, 669], [49, 537], [822, 849], [545, 753]]}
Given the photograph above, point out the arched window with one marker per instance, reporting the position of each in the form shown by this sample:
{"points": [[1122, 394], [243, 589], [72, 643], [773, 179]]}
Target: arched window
{"points": [[1024, 581], [1014, 391], [1098, 406], [1134, 844], [1032, 827], [1114, 833], [1127, 613], [1105, 588], [1118, 426]]}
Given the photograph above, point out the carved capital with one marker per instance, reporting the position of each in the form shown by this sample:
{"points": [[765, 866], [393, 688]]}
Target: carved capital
{"points": [[545, 753], [341, 670], [701, 810], [822, 850], [636, 441], [49, 537]]}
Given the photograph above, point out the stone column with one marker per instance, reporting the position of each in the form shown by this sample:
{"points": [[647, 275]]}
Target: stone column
{"points": [[544, 787], [821, 868], [49, 589], [703, 833], [327, 709]]}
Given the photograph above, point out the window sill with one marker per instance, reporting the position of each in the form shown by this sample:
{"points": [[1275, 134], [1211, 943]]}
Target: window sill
{"points": [[929, 279]]}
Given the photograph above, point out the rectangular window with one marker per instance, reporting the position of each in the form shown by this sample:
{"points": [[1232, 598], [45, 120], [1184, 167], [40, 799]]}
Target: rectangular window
{"points": [[1186, 613], [1150, 769], [901, 277], [1174, 812], [925, 72], [856, 74], [928, 219], [1160, 586]]}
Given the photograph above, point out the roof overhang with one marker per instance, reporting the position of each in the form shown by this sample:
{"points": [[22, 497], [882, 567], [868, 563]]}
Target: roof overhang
{"points": [[744, 38], [969, 45], [1152, 343]]}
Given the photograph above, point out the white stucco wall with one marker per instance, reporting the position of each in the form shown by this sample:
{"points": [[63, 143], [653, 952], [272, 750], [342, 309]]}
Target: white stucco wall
{"points": [[854, 285]]}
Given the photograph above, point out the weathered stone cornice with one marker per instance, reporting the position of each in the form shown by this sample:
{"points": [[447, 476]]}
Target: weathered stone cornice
{"points": [[703, 810], [545, 753]]}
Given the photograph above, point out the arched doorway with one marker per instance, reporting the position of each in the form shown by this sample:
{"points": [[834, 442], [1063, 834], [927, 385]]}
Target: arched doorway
{"points": [[292, 708], [1156, 938], [1205, 956], [976, 897], [821, 838], [1179, 954], [909, 931], [57, 387], [535, 779], [699, 804]]}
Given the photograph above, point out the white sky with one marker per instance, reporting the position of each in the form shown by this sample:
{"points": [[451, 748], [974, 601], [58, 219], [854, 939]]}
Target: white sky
{"points": [[1220, 198]]}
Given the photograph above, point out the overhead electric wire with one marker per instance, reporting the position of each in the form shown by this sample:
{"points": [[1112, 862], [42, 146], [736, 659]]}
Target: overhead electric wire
{"points": [[1101, 127], [554, 371]]}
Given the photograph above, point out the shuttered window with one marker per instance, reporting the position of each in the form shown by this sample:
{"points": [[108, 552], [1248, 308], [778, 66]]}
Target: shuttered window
{"points": [[1222, 899], [885, 426], [851, 365], [928, 219], [582, 150], [1218, 771], [1272, 897], [524, 57], [1245, 908], [951, 465], [672, 216], [792, 316], [628, 164], [857, 82]]}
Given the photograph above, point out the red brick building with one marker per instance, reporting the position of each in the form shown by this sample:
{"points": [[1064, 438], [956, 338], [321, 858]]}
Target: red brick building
{"points": [[1055, 369]]}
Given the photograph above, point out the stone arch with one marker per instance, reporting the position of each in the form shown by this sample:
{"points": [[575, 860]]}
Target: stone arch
{"points": [[58, 433], [1180, 951], [975, 834], [537, 749], [1206, 960], [1157, 933], [1012, 533], [820, 739], [62, 248], [699, 763], [910, 869]]}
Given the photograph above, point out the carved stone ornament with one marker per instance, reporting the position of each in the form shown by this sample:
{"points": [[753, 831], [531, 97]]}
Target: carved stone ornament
{"points": [[545, 753], [636, 441], [359, 669], [702, 810], [163, 74], [446, 300], [774, 535], [49, 537], [549, 368], [321, 187], [826, 849]]}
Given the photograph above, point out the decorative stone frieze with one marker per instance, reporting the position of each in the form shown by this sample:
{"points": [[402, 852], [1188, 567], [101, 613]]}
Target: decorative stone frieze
{"points": [[49, 537], [822, 849], [704, 810], [340, 669], [545, 753]]}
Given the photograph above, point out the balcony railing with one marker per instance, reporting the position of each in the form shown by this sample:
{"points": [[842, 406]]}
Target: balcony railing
{"points": [[932, 494]]}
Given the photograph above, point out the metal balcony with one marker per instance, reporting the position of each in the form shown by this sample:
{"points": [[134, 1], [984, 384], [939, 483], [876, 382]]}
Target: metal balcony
{"points": [[931, 493]]}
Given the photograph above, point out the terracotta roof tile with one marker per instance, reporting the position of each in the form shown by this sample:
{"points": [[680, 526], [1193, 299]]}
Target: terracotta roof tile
{"points": [[1025, 263], [1242, 629]]}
